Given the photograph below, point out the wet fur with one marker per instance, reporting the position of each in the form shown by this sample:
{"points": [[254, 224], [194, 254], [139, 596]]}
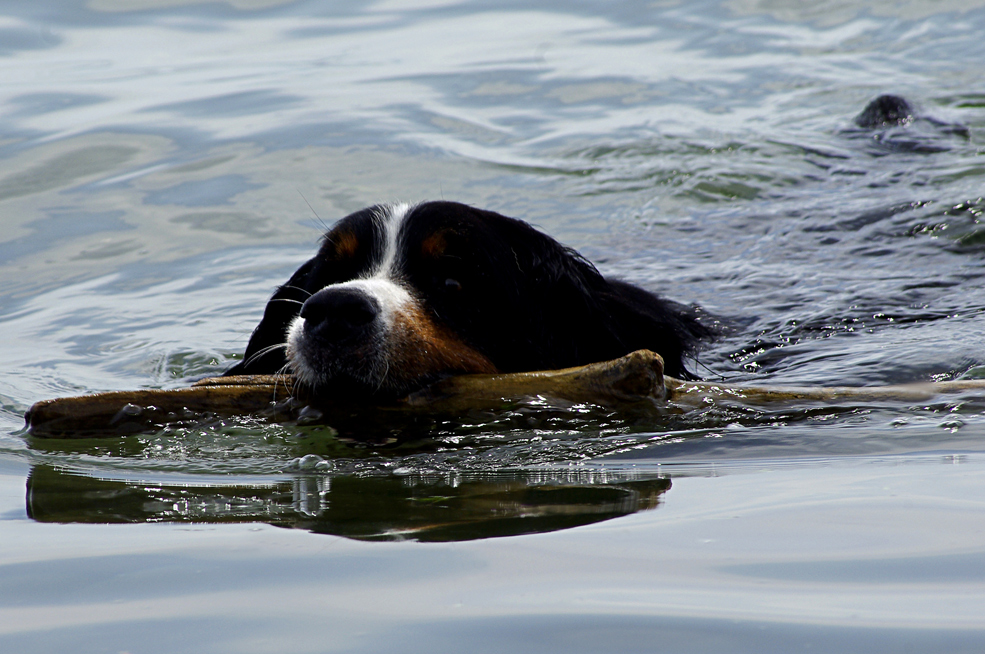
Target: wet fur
{"points": [[398, 296]]}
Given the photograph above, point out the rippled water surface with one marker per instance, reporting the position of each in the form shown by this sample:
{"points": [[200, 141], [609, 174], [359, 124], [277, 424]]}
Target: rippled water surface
{"points": [[165, 164]]}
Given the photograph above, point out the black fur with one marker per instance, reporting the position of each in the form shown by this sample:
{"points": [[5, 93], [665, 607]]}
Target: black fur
{"points": [[508, 291]]}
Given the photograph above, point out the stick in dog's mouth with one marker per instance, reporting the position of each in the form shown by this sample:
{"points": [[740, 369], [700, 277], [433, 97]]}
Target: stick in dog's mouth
{"points": [[636, 377]]}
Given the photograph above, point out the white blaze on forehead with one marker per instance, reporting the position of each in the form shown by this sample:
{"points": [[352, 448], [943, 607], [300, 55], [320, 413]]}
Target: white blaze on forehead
{"points": [[389, 219], [390, 295]]}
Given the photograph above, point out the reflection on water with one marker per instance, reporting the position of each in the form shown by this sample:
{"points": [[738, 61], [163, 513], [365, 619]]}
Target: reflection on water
{"points": [[416, 507]]}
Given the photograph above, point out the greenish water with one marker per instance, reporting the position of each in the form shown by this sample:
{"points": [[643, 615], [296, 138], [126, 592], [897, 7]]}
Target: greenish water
{"points": [[164, 166]]}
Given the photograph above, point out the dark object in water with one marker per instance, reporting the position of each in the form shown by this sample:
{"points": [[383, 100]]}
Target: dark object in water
{"points": [[892, 124], [885, 111]]}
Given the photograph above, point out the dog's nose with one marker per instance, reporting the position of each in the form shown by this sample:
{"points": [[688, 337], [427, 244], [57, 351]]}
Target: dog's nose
{"points": [[338, 313]]}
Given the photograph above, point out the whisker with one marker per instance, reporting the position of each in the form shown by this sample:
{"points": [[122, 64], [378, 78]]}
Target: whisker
{"points": [[386, 371], [298, 288], [264, 351], [284, 299], [323, 224], [283, 374], [295, 383]]}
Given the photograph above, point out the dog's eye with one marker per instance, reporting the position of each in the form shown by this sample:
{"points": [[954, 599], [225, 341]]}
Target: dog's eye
{"points": [[452, 285]]}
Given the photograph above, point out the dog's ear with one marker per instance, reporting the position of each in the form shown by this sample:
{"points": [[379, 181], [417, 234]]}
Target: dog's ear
{"points": [[641, 320], [586, 317], [563, 321], [265, 351]]}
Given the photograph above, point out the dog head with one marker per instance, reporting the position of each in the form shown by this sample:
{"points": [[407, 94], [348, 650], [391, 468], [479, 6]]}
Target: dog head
{"points": [[400, 295]]}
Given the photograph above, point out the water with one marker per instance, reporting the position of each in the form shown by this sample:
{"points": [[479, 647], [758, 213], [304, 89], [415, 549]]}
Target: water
{"points": [[163, 166]]}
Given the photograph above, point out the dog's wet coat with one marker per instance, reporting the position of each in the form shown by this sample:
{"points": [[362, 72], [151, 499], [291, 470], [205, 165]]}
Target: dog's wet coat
{"points": [[400, 295]]}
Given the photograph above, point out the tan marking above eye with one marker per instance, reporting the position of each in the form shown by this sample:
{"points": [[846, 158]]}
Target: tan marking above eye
{"points": [[435, 245], [346, 243]]}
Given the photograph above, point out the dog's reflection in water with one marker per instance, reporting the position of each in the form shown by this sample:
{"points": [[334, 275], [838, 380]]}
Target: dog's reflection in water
{"points": [[431, 507]]}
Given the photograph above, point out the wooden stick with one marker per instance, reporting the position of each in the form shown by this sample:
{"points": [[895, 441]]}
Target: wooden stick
{"points": [[121, 412], [636, 377], [695, 393]]}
